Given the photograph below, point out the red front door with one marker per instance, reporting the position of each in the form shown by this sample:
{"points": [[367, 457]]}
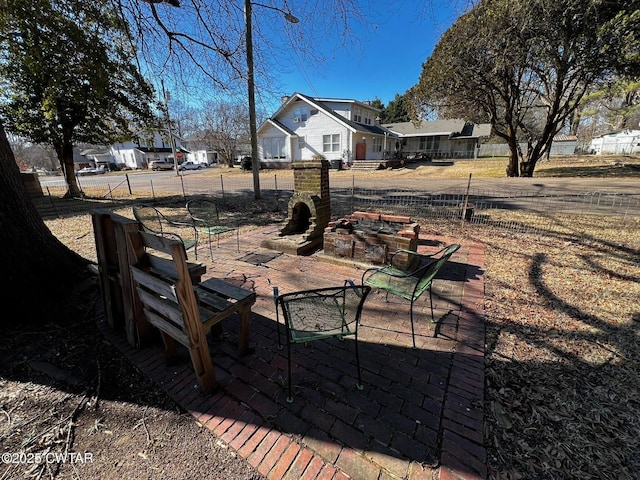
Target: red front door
{"points": [[361, 151]]}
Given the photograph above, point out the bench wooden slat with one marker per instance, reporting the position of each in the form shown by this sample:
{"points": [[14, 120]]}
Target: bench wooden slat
{"points": [[157, 284], [184, 313], [166, 327], [225, 288], [166, 308]]}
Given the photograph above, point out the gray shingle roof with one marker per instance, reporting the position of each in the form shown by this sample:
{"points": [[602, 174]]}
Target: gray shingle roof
{"points": [[457, 128]]}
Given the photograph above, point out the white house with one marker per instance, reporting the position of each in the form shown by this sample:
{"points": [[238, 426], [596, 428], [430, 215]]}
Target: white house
{"points": [[337, 129], [200, 151], [349, 131], [620, 142], [137, 154]]}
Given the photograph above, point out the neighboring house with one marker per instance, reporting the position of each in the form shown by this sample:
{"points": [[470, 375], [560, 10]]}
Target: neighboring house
{"points": [[619, 142], [137, 154], [349, 131], [200, 152], [337, 129], [439, 138], [80, 160], [97, 156]]}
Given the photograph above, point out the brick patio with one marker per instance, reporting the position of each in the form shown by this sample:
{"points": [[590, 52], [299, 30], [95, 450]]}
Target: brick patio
{"points": [[420, 415]]}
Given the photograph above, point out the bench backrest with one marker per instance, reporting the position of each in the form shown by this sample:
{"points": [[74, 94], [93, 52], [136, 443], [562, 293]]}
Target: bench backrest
{"points": [[163, 285]]}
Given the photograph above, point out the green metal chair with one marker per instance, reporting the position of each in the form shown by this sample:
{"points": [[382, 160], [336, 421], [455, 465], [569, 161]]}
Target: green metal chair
{"points": [[412, 282], [205, 216], [153, 221], [321, 313]]}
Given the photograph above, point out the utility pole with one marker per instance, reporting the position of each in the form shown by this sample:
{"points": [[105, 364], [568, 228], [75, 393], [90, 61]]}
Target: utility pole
{"points": [[167, 97]]}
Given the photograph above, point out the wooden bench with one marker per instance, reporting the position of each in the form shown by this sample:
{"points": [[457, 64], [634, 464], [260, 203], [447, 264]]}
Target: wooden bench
{"points": [[184, 313], [110, 233]]}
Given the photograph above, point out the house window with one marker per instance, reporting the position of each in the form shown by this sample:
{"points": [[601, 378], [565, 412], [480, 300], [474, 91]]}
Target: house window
{"points": [[274, 148], [301, 142], [377, 144], [301, 114], [357, 115], [331, 143]]}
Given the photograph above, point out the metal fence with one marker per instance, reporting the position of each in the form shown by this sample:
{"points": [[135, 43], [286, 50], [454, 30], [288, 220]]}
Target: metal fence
{"points": [[498, 207]]}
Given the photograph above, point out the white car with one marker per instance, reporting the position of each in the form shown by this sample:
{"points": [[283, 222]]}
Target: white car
{"points": [[190, 166]]}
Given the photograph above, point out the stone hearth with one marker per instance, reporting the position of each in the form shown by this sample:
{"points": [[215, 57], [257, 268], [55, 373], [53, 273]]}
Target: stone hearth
{"points": [[371, 237], [309, 210]]}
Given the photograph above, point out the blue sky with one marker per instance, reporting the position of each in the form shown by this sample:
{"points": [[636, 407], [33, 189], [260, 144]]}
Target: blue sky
{"points": [[387, 58]]}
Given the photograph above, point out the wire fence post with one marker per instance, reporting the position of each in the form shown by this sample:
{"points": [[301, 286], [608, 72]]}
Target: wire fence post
{"points": [[353, 189], [466, 202], [126, 176], [222, 187]]}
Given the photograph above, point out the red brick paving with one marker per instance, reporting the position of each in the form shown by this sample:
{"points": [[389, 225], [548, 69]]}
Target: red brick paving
{"points": [[420, 415]]}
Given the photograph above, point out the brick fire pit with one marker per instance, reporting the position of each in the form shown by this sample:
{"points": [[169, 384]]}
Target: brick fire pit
{"points": [[370, 237]]}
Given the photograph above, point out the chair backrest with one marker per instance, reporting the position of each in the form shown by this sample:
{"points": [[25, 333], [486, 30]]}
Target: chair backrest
{"points": [[163, 285], [324, 312], [430, 270], [203, 212], [149, 217]]}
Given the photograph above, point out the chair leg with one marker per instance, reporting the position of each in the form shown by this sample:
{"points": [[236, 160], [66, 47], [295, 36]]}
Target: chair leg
{"points": [[413, 332], [290, 395], [275, 300], [359, 385], [433, 318]]}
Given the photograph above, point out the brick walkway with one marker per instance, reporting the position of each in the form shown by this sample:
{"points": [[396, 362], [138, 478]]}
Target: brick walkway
{"points": [[420, 415]]}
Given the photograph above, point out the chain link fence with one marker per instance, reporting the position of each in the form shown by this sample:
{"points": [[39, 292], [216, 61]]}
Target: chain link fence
{"points": [[495, 207]]}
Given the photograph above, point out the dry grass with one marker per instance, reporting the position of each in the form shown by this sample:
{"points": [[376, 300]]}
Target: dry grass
{"points": [[562, 353]]}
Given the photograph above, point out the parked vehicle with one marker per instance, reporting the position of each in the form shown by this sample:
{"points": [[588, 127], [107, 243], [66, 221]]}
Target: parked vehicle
{"points": [[90, 171], [190, 166], [160, 165]]}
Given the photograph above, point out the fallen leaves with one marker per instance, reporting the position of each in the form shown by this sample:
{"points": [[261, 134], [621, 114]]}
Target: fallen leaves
{"points": [[562, 352]]}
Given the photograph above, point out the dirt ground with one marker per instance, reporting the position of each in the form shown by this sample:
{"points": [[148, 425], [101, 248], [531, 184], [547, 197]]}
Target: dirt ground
{"points": [[74, 409]]}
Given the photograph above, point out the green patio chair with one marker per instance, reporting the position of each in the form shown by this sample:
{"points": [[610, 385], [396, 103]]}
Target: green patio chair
{"points": [[412, 282], [205, 216], [154, 221], [321, 313]]}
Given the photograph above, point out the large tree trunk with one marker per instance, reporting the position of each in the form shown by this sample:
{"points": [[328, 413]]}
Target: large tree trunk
{"points": [[38, 270], [514, 158], [65, 154]]}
